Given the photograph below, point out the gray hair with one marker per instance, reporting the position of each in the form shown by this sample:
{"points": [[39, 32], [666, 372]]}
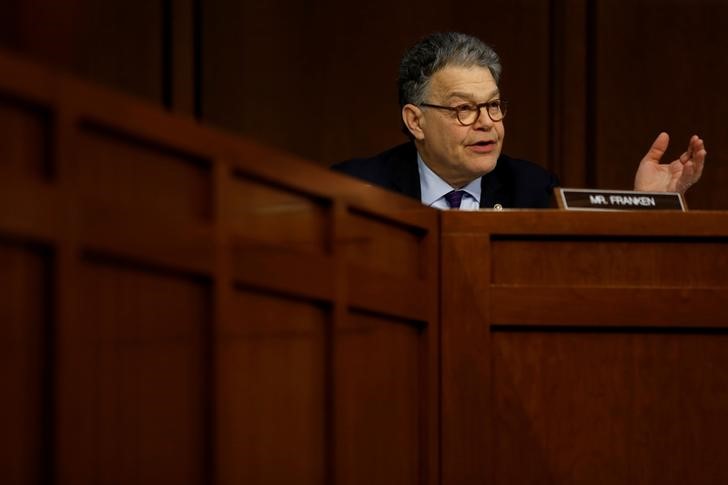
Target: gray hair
{"points": [[437, 51]]}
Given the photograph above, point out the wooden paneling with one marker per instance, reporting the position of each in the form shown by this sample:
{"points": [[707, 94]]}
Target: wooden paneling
{"points": [[265, 214], [25, 310], [379, 396], [589, 91], [24, 140], [184, 330], [134, 174], [383, 245], [318, 65], [669, 80], [623, 305], [609, 408], [139, 377], [466, 404], [120, 44], [570, 92], [116, 43], [521, 33], [635, 262], [271, 405], [584, 348]]}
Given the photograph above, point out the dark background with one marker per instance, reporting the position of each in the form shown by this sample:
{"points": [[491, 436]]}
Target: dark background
{"points": [[590, 84]]}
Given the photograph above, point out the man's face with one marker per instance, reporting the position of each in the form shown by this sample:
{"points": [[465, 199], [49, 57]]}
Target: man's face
{"points": [[457, 153]]}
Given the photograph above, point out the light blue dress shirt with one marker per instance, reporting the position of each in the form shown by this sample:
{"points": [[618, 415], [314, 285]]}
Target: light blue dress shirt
{"points": [[433, 189]]}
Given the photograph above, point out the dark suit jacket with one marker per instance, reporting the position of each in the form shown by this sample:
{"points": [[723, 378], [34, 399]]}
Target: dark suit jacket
{"points": [[512, 184]]}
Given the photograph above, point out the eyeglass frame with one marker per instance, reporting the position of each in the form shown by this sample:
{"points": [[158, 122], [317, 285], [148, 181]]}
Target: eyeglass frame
{"points": [[503, 107]]}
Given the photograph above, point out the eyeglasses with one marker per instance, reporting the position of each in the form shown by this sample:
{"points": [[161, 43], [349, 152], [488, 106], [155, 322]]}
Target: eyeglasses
{"points": [[469, 113]]}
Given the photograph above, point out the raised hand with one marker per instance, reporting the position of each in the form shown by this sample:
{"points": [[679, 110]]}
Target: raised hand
{"points": [[676, 176]]}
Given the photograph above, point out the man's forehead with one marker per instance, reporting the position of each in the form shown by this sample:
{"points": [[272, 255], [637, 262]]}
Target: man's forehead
{"points": [[471, 95], [464, 82]]}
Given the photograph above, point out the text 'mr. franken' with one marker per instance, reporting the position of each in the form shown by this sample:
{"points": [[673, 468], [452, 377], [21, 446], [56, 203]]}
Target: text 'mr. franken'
{"points": [[623, 200]]}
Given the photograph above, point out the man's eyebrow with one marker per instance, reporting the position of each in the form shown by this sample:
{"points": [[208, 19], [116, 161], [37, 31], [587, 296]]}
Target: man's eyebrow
{"points": [[458, 94]]}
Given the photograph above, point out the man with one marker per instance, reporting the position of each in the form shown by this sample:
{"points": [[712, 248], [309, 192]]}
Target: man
{"points": [[453, 114]]}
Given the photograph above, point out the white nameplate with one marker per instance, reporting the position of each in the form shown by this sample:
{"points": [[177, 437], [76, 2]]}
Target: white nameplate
{"points": [[612, 200]]}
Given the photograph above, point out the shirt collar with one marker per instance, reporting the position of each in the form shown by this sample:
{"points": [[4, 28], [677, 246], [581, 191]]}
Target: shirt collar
{"points": [[433, 188]]}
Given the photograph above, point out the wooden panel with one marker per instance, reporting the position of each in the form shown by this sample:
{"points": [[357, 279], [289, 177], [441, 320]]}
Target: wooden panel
{"points": [[137, 370], [271, 421], [264, 213], [584, 348], [381, 293], [282, 40], [387, 264], [527, 69], [24, 362], [641, 307], [379, 395], [118, 43], [181, 15], [130, 173], [195, 313], [606, 225], [569, 78], [466, 403], [24, 139], [148, 237], [382, 245], [303, 275], [610, 408], [636, 96], [355, 109], [609, 262]]}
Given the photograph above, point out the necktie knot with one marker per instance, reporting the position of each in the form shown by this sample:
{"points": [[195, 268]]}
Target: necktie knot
{"points": [[453, 198]]}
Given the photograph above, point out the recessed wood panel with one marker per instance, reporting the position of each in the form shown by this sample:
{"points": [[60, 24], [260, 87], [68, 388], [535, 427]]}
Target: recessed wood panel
{"points": [[269, 214], [271, 400], [112, 168], [379, 397], [631, 262], [383, 245], [673, 307], [139, 377], [610, 408], [24, 139], [24, 354]]}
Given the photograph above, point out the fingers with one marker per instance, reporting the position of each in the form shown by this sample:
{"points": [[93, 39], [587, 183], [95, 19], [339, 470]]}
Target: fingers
{"points": [[687, 155], [699, 162], [692, 162], [695, 152]]}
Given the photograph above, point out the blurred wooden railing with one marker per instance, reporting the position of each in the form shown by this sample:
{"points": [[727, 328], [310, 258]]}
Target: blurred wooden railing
{"points": [[182, 306]]}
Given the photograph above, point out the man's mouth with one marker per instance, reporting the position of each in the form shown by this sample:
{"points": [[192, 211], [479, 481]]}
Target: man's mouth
{"points": [[484, 146]]}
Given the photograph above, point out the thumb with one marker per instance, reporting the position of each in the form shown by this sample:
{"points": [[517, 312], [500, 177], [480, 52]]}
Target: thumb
{"points": [[657, 150]]}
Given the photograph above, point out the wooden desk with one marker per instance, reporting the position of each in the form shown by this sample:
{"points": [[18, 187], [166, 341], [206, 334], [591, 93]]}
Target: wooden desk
{"points": [[584, 348]]}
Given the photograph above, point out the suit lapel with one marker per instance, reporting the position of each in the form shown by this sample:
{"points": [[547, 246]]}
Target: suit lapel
{"points": [[406, 174], [491, 186]]}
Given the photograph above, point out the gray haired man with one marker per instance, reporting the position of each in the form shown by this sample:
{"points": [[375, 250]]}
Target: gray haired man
{"points": [[453, 113]]}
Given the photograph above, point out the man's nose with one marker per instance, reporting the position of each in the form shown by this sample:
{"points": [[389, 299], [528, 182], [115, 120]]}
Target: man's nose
{"points": [[483, 122]]}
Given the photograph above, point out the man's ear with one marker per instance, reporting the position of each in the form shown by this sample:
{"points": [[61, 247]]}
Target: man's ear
{"points": [[413, 120]]}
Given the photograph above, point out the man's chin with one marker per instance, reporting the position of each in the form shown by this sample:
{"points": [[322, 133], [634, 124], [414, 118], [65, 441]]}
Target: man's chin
{"points": [[484, 164]]}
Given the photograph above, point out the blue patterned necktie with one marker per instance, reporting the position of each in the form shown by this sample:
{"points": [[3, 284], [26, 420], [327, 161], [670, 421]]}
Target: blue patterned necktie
{"points": [[453, 198]]}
